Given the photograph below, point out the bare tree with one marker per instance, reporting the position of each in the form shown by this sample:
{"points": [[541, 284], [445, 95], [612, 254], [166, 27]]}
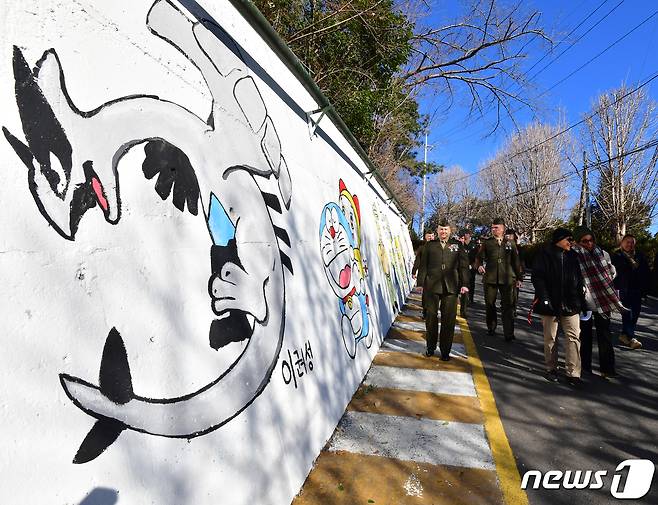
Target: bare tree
{"points": [[374, 58], [452, 197], [618, 137], [478, 54], [526, 181]]}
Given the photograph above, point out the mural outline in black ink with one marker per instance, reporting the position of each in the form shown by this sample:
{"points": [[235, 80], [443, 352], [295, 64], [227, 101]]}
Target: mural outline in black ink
{"points": [[78, 154]]}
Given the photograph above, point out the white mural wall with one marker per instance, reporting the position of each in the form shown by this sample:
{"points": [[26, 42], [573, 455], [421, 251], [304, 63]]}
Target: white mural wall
{"points": [[193, 284]]}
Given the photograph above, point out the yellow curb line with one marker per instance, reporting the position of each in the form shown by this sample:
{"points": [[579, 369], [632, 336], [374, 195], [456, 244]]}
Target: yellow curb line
{"points": [[508, 474]]}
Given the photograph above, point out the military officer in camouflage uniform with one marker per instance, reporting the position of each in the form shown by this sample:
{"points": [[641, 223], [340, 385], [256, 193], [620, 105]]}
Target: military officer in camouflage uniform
{"points": [[498, 262], [471, 249], [445, 276]]}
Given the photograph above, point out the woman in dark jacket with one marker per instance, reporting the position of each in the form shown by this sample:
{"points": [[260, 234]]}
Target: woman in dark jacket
{"points": [[559, 293], [632, 281]]}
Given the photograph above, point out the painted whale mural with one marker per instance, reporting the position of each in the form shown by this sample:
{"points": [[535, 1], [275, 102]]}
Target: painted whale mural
{"points": [[72, 159]]}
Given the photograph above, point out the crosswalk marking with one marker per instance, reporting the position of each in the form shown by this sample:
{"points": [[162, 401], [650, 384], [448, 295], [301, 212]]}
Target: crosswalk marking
{"points": [[418, 347], [344, 478], [418, 430], [419, 404], [415, 326], [410, 439], [443, 382]]}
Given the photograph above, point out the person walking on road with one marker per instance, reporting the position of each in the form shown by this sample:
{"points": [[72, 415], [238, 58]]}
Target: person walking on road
{"points": [[513, 237], [559, 299], [632, 281], [498, 262], [471, 249], [415, 273], [429, 236], [600, 298], [445, 276]]}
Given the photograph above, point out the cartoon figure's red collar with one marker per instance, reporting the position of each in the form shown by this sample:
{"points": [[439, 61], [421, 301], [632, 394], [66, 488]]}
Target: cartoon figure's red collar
{"points": [[349, 295]]}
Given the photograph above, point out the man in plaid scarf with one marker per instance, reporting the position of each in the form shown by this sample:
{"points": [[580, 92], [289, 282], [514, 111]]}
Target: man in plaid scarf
{"points": [[601, 298]]}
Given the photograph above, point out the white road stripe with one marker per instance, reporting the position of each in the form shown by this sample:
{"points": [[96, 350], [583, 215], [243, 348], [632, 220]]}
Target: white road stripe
{"points": [[441, 382], [417, 347], [413, 326], [416, 326], [411, 439]]}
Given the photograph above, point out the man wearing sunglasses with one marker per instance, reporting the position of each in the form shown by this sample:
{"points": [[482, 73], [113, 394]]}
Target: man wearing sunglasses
{"points": [[600, 297], [559, 294]]}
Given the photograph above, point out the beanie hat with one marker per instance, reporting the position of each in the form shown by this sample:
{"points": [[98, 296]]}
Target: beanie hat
{"points": [[581, 231], [559, 234]]}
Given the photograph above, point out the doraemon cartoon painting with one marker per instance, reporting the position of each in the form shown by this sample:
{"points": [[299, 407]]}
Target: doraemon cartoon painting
{"points": [[340, 229]]}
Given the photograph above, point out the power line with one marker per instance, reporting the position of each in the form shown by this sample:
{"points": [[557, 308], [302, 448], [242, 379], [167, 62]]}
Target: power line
{"points": [[610, 46], [568, 175], [561, 132], [471, 121], [571, 33], [577, 40], [599, 54]]}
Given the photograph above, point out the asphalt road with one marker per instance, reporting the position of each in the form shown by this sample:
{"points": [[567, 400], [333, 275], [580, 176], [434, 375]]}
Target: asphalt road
{"points": [[551, 426]]}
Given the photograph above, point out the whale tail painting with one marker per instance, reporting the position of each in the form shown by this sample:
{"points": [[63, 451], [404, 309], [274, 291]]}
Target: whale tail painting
{"points": [[115, 383]]}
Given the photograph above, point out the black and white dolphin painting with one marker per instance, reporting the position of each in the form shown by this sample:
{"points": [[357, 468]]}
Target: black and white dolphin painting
{"points": [[230, 167]]}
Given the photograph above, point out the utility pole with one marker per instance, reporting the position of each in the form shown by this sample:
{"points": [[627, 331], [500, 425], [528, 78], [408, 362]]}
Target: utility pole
{"points": [[422, 208], [582, 201], [588, 206], [584, 209]]}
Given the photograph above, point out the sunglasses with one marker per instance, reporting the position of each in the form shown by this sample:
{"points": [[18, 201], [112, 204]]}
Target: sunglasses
{"points": [[587, 241]]}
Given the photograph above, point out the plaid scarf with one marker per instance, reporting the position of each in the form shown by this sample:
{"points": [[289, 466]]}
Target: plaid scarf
{"points": [[598, 279]]}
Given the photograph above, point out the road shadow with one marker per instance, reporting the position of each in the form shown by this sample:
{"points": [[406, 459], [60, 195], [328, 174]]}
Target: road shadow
{"points": [[101, 496], [551, 426]]}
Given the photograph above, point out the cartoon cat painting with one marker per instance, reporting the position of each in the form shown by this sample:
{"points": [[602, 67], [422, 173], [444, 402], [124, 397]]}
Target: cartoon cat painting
{"points": [[340, 241]]}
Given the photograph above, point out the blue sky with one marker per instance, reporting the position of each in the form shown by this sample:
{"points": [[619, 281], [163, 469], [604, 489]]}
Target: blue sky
{"points": [[456, 141]]}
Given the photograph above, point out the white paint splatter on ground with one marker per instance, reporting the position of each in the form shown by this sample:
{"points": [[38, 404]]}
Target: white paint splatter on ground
{"points": [[413, 487]]}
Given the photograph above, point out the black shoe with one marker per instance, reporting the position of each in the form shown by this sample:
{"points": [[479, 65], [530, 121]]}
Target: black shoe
{"points": [[429, 354], [609, 375], [445, 358], [551, 376], [575, 382], [491, 332], [463, 315], [510, 338]]}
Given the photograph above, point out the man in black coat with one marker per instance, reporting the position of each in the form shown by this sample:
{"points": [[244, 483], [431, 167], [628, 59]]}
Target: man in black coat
{"points": [[471, 249], [429, 236], [632, 281], [416, 269], [445, 276], [559, 294]]}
